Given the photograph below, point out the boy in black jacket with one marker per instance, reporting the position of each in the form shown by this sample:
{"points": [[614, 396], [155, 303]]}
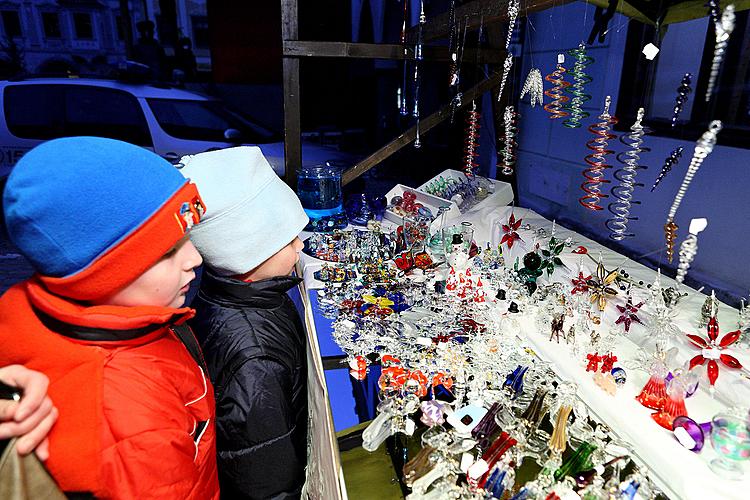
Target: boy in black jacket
{"points": [[250, 331]]}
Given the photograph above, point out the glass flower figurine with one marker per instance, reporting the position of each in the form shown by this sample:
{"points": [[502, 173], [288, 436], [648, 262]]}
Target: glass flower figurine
{"points": [[714, 349], [600, 288]]}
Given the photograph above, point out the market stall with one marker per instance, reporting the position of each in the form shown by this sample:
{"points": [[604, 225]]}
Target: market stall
{"points": [[625, 329]]}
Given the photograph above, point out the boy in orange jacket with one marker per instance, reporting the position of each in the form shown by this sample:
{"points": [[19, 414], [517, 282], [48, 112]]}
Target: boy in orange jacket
{"points": [[105, 225]]}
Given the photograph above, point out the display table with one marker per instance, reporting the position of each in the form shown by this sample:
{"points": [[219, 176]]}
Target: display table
{"points": [[338, 402]]}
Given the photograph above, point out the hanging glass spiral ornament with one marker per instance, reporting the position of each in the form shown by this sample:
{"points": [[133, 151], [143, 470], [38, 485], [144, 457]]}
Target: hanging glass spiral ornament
{"points": [[703, 147], [670, 162], [682, 96], [513, 9], [580, 79], [554, 108], [723, 30], [507, 155], [534, 87], [622, 193], [471, 143], [417, 75], [689, 248], [597, 160]]}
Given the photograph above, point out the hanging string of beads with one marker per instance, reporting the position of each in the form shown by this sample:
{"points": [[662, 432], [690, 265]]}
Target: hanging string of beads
{"points": [[580, 79], [402, 105], [556, 78], [623, 192], [417, 75], [507, 155], [671, 161], [703, 147], [682, 96], [723, 30], [471, 143], [597, 160]]}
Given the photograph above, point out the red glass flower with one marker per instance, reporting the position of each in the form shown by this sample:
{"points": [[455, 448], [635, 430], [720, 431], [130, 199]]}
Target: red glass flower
{"points": [[580, 284], [510, 229], [712, 350]]}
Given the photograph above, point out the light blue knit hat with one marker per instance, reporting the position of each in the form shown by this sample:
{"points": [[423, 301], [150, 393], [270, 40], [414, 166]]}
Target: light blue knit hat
{"points": [[251, 213]]}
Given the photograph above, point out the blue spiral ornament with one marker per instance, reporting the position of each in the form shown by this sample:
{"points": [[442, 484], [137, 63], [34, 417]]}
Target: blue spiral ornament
{"points": [[671, 161], [580, 79], [622, 193]]}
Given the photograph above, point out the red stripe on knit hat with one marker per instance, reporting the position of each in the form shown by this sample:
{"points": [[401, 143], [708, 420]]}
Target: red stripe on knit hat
{"points": [[135, 254]]}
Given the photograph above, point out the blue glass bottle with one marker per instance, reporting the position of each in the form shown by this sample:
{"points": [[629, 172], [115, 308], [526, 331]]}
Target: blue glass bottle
{"points": [[319, 190]]}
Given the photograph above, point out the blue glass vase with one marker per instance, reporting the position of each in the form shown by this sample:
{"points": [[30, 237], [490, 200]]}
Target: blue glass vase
{"points": [[319, 190]]}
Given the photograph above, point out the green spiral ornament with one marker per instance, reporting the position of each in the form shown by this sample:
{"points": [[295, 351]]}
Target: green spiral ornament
{"points": [[578, 96]]}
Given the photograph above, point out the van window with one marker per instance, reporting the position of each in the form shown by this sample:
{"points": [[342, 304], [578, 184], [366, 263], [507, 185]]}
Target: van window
{"points": [[205, 121], [34, 111], [45, 112], [106, 113]]}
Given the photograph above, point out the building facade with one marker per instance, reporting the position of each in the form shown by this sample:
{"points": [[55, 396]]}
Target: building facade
{"points": [[88, 35]]}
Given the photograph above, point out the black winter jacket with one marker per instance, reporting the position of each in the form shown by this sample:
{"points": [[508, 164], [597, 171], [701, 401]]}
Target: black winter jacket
{"points": [[255, 347]]}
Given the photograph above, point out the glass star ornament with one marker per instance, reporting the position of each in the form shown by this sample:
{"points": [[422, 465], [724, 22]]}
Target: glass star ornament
{"points": [[510, 231], [714, 350], [629, 314], [600, 288]]}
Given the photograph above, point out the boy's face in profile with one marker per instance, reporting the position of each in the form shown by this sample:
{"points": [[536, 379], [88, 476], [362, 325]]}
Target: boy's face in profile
{"points": [[164, 284], [279, 264]]}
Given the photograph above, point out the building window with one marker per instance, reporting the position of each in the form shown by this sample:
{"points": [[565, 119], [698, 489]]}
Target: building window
{"points": [[51, 24], [11, 23], [200, 31], [83, 27]]}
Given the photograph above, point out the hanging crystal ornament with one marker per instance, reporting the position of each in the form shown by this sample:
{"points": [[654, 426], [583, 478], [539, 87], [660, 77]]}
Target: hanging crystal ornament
{"points": [[682, 96], [723, 30], [709, 310], [513, 9], [556, 78], [402, 108], [471, 143], [623, 192], [671, 161], [457, 98], [417, 74], [597, 160], [534, 87], [578, 96], [689, 248], [703, 147], [507, 155]]}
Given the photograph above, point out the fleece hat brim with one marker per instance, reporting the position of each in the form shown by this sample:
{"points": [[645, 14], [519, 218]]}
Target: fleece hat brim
{"points": [[93, 214], [251, 215]]}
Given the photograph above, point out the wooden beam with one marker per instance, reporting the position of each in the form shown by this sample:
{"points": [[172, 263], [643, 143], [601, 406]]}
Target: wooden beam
{"points": [[424, 126], [292, 122], [299, 48], [478, 11]]}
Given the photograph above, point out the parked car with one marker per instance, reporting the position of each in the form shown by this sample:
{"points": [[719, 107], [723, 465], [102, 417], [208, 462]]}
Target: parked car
{"points": [[169, 121]]}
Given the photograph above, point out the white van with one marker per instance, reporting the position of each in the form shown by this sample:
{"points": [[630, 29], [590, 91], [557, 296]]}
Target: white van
{"points": [[169, 121]]}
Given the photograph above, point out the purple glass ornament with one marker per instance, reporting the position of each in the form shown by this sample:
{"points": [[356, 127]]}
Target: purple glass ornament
{"points": [[691, 434], [689, 391]]}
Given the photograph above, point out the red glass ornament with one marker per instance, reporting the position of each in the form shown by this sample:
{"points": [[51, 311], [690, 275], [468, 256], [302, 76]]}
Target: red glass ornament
{"points": [[654, 393], [510, 229], [594, 360], [711, 350]]}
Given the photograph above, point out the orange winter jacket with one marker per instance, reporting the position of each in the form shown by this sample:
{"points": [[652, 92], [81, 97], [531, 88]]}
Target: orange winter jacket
{"points": [[136, 409]]}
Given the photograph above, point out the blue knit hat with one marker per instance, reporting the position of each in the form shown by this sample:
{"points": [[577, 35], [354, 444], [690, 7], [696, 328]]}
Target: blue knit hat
{"points": [[71, 202]]}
